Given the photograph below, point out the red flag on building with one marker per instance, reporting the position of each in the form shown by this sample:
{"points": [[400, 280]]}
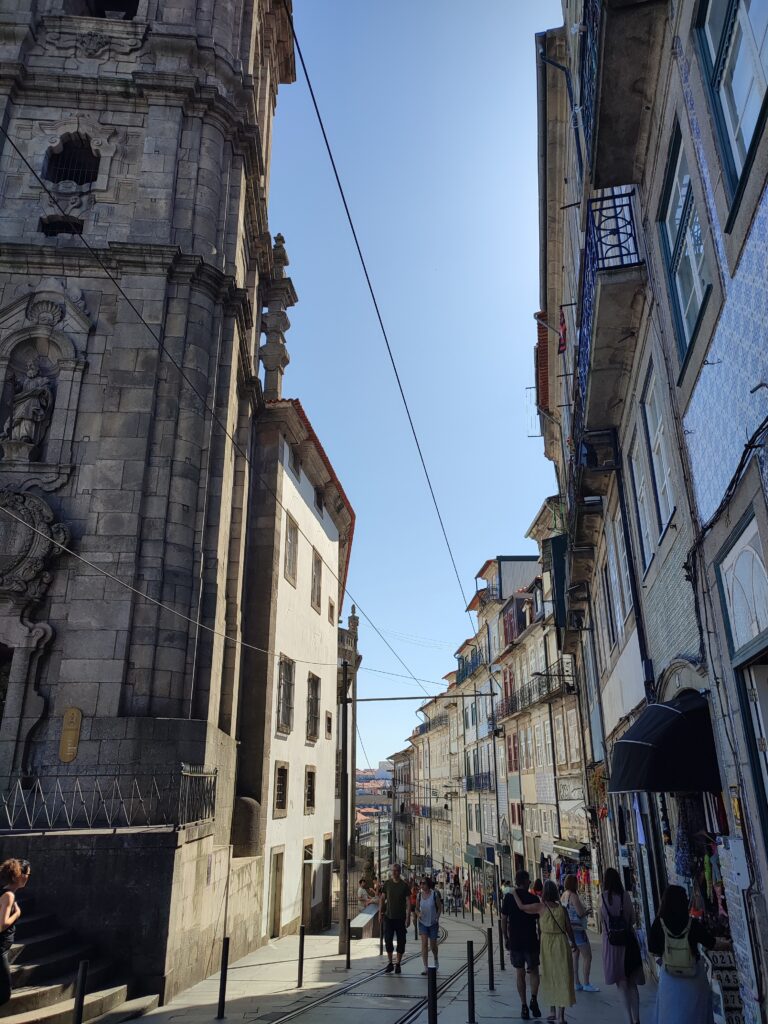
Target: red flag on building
{"points": [[563, 332]]}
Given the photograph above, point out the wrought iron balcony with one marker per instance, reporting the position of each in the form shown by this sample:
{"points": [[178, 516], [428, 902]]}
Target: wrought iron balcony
{"points": [[508, 706], [479, 783], [468, 666], [110, 797], [620, 52], [607, 328], [491, 593]]}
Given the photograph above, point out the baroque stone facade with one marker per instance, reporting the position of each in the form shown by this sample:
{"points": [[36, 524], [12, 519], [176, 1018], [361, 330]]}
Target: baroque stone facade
{"points": [[135, 260]]}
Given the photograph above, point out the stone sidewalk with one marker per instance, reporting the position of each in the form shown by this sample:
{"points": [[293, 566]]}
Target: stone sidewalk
{"points": [[262, 987]]}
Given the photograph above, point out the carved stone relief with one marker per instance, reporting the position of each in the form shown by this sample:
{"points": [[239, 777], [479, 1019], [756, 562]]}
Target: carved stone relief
{"points": [[43, 343], [29, 539]]}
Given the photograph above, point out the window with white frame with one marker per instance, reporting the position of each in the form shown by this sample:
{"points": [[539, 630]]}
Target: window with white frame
{"points": [[734, 34], [683, 243], [643, 500], [657, 438], [621, 551], [560, 740], [539, 747], [547, 744], [317, 580], [614, 580], [574, 746], [605, 593], [745, 588]]}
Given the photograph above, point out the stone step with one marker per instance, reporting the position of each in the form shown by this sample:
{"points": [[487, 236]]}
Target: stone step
{"points": [[56, 964], [39, 944], [35, 997], [98, 1005], [129, 1010]]}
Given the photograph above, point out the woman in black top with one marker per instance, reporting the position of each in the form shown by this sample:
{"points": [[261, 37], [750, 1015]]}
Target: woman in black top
{"points": [[14, 875], [684, 998]]}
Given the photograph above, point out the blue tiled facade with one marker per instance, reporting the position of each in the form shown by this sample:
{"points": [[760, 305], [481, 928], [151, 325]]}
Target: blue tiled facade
{"points": [[722, 413]]}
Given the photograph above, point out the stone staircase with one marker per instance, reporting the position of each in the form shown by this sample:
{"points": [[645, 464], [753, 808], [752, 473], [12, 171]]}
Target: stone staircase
{"points": [[44, 962]]}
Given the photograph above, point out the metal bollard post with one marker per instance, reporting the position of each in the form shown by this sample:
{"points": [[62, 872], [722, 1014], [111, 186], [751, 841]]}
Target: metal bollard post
{"points": [[482, 916], [501, 947], [349, 944], [82, 977], [301, 957], [416, 929], [223, 977], [489, 933], [470, 982], [381, 937], [463, 908], [431, 995]]}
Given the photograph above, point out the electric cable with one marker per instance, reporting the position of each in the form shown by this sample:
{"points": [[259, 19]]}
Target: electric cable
{"points": [[362, 745], [206, 405], [375, 301]]}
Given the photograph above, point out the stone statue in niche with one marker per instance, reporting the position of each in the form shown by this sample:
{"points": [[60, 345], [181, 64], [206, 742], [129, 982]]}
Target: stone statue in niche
{"points": [[31, 408]]}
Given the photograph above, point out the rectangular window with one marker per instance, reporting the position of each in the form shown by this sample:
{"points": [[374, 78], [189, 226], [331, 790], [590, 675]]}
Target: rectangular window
{"points": [[573, 735], [683, 244], [560, 740], [530, 747], [513, 758], [548, 743], [735, 43], [615, 580], [317, 580], [285, 695], [657, 439], [313, 707], [621, 548], [291, 549], [295, 462], [332, 612], [642, 500], [319, 500], [608, 605], [328, 725], [309, 790], [539, 747], [281, 788]]}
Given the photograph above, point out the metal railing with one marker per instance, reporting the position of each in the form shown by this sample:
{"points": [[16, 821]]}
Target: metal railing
{"points": [[478, 783], [590, 58], [489, 593], [468, 666], [436, 722], [611, 243], [109, 797], [508, 706]]}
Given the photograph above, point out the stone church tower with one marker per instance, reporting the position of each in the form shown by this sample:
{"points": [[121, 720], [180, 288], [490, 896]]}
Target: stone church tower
{"points": [[145, 248]]}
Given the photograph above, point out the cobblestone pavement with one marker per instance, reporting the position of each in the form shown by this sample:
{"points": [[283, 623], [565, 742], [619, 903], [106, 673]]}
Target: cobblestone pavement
{"points": [[262, 987]]}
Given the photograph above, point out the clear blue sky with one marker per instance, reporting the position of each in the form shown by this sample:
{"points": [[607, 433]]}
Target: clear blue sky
{"points": [[430, 106]]}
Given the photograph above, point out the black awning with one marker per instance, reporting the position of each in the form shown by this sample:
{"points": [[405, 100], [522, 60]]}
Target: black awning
{"points": [[669, 749]]}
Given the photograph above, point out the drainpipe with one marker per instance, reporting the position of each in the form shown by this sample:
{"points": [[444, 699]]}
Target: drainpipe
{"points": [[541, 41], [497, 873], [552, 739]]}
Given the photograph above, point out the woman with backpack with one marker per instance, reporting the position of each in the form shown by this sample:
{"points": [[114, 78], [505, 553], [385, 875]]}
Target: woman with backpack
{"points": [[622, 959], [684, 994], [430, 908]]}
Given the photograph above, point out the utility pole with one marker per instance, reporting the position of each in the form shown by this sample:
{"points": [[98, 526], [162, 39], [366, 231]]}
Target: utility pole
{"points": [[344, 815]]}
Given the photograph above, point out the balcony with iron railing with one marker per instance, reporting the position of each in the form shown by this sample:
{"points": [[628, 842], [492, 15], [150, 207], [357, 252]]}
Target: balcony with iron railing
{"points": [[508, 706], [480, 782], [621, 47], [542, 687], [471, 664]]}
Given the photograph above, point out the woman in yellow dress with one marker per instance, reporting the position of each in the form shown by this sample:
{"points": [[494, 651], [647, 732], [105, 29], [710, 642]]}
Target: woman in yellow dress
{"points": [[557, 946]]}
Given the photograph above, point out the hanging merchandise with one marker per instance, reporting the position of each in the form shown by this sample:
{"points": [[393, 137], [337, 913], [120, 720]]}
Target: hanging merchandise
{"points": [[666, 831], [683, 861], [708, 875]]}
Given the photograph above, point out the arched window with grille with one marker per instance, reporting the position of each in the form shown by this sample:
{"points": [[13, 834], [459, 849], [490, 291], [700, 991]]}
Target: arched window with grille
{"points": [[75, 162]]}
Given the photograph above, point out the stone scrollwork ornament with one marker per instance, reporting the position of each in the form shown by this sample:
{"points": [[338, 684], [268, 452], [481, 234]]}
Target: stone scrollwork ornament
{"points": [[29, 539]]}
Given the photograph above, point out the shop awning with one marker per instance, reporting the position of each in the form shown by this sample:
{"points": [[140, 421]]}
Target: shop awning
{"points": [[571, 849], [669, 749]]}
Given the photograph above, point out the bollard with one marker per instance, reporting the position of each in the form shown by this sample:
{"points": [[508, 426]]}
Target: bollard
{"points": [[301, 957], [463, 908], [223, 977], [501, 947], [349, 944], [416, 929], [82, 977], [470, 982], [431, 995], [482, 916], [381, 937], [489, 933]]}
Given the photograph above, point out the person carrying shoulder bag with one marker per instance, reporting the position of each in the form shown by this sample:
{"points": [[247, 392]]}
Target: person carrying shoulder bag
{"points": [[622, 959]]}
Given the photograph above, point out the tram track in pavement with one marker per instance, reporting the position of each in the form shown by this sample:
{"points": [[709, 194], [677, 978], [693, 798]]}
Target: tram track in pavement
{"points": [[356, 987]]}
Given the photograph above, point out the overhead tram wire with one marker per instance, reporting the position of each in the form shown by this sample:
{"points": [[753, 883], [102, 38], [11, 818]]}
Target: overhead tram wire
{"points": [[206, 405], [376, 307]]}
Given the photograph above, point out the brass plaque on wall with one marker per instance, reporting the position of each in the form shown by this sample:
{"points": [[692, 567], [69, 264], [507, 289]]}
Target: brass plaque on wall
{"points": [[70, 734]]}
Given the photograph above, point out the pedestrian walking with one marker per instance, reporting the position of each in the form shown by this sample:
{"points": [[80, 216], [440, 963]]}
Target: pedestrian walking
{"points": [[522, 941], [430, 907], [393, 915], [413, 903], [557, 945], [622, 959], [577, 915], [14, 875], [684, 994]]}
